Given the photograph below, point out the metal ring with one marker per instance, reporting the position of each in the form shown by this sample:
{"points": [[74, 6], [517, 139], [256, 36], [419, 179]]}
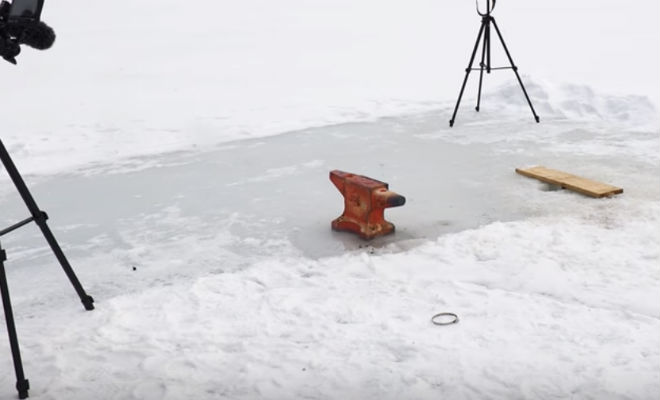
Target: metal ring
{"points": [[445, 314]]}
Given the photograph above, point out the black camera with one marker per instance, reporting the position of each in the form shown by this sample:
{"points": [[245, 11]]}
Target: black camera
{"points": [[20, 23]]}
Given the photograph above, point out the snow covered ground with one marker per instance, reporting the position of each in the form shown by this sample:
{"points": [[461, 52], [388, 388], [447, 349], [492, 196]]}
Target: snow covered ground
{"points": [[145, 77], [183, 157]]}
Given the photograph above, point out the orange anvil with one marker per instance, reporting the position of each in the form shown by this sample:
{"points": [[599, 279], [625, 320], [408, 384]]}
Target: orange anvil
{"points": [[365, 201]]}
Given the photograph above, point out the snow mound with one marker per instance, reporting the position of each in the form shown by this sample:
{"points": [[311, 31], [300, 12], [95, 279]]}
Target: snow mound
{"points": [[578, 102]]}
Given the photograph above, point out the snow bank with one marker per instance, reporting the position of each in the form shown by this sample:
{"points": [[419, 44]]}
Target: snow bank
{"points": [[138, 79], [577, 103], [609, 125], [550, 308]]}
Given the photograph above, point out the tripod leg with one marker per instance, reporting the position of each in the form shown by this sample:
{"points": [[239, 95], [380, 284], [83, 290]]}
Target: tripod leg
{"points": [[515, 70], [488, 19], [486, 44], [22, 384], [40, 218], [87, 300], [467, 73]]}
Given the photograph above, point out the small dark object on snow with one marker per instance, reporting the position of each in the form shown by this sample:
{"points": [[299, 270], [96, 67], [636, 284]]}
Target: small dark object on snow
{"points": [[454, 319]]}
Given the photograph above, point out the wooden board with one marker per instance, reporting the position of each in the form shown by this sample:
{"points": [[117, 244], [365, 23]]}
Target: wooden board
{"points": [[571, 182]]}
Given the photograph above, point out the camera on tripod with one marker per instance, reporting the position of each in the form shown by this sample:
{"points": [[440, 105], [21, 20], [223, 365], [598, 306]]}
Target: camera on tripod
{"points": [[20, 23]]}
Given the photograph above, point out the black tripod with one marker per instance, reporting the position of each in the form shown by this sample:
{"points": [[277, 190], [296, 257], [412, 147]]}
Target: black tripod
{"points": [[484, 31], [39, 217]]}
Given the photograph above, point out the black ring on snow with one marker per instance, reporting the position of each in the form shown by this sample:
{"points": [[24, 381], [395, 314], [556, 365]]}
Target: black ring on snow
{"points": [[444, 314]]}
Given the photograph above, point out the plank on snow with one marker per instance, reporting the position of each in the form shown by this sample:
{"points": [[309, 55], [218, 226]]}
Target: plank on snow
{"points": [[571, 182]]}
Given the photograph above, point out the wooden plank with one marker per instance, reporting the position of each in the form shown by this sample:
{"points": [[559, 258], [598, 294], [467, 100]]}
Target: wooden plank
{"points": [[572, 182]]}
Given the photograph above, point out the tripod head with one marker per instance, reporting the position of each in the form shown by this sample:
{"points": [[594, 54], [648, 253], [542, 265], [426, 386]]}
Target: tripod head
{"points": [[20, 23], [489, 8]]}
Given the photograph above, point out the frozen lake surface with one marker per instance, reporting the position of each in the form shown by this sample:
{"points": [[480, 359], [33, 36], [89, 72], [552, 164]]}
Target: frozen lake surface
{"points": [[278, 187], [219, 265]]}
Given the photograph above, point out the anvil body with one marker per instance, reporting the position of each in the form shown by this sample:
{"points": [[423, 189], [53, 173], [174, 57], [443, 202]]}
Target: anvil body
{"points": [[365, 201]]}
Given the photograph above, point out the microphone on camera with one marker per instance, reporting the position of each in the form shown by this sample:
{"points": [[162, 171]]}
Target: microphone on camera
{"points": [[35, 34]]}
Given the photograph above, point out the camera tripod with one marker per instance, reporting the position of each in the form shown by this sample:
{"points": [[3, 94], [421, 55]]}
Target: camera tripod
{"points": [[484, 32], [39, 217]]}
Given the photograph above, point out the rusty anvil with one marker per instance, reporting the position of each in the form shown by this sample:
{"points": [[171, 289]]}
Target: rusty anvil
{"points": [[365, 201]]}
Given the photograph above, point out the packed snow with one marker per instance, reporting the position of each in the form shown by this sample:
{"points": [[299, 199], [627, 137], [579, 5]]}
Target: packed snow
{"points": [[182, 154]]}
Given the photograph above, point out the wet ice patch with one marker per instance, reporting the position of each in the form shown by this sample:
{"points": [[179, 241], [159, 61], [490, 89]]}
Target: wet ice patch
{"points": [[277, 173]]}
